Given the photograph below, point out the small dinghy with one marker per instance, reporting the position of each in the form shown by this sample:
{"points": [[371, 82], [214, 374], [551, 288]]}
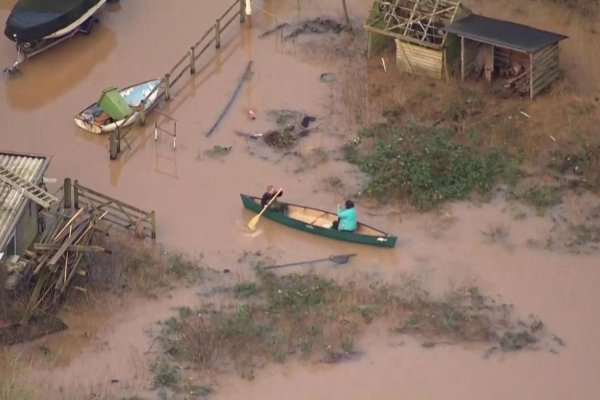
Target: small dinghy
{"points": [[118, 108], [319, 222]]}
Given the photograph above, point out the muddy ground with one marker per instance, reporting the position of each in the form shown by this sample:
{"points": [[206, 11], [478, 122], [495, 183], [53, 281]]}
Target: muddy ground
{"points": [[531, 260]]}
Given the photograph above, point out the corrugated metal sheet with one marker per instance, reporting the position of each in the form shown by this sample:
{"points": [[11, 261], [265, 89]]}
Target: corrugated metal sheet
{"points": [[419, 60], [12, 202]]}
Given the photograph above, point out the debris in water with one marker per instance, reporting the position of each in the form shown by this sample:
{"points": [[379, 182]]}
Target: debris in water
{"points": [[317, 25]]}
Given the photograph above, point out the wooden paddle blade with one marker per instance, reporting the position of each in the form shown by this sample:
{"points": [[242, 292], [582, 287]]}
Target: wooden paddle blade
{"points": [[252, 224]]}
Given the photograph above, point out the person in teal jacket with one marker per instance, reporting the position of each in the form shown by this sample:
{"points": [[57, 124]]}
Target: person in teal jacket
{"points": [[346, 218]]}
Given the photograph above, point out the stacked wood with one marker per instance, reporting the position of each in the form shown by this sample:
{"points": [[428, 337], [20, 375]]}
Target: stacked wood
{"points": [[519, 83], [56, 258]]}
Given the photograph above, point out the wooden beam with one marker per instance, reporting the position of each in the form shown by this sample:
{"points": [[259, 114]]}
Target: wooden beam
{"points": [[531, 75], [430, 18], [75, 247], [65, 246], [462, 58], [411, 16], [403, 38]]}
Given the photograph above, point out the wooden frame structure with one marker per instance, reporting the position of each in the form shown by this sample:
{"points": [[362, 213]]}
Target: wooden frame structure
{"points": [[422, 45], [527, 58]]}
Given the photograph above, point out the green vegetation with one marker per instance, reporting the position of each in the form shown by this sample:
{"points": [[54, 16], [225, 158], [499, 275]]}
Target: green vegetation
{"points": [[218, 151], [541, 197], [426, 164], [166, 375], [307, 316], [11, 386]]}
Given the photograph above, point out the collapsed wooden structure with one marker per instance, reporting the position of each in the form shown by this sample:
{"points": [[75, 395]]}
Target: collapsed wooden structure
{"points": [[71, 225], [527, 58], [417, 27]]}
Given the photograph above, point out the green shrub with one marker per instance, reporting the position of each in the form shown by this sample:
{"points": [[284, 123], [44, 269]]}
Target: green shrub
{"points": [[426, 164]]}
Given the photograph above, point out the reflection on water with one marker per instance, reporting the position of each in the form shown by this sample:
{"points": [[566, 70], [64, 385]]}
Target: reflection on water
{"points": [[32, 88]]}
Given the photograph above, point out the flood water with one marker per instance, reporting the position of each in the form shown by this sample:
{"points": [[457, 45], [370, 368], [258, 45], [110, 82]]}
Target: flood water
{"points": [[196, 198]]}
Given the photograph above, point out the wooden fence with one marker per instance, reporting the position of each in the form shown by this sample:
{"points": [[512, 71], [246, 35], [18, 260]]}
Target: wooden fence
{"points": [[185, 64], [114, 211]]}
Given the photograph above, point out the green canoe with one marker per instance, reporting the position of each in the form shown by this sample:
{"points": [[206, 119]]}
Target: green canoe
{"points": [[318, 222]]}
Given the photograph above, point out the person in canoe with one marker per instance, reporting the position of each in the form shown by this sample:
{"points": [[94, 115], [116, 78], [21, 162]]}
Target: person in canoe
{"points": [[268, 195], [346, 217]]}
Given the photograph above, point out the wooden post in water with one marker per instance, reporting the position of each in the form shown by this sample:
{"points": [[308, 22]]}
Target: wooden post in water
{"points": [[218, 34], [192, 60], [75, 195], [143, 112], [346, 13], [243, 9], [153, 223], [67, 193], [113, 145], [167, 86]]}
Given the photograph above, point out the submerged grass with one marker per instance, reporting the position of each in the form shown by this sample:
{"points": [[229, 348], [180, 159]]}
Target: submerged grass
{"points": [[307, 316]]}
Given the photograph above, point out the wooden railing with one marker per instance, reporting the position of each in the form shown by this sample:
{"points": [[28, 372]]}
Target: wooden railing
{"points": [[184, 64], [114, 211]]}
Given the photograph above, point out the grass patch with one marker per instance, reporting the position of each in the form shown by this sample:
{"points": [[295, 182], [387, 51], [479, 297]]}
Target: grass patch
{"points": [[541, 197], [11, 385], [166, 375], [428, 165], [496, 233], [144, 270], [218, 151], [306, 316]]}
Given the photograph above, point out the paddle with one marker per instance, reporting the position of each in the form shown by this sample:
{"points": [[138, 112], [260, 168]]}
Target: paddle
{"points": [[254, 221], [341, 259]]}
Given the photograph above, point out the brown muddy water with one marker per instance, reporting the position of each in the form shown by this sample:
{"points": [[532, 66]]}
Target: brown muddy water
{"points": [[196, 198]]}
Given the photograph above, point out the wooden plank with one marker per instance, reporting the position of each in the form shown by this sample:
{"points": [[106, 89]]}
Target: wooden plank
{"points": [[531, 76], [88, 248], [69, 223], [403, 38], [544, 58], [88, 190], [64, 247], [462, 58], [546, 50], [546, 79], [421, 60]]}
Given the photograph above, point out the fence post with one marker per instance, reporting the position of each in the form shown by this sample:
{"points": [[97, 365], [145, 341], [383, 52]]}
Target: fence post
{"points": [[142, 112], [218, 34], [243, 10], [153, 224], [76, 194], [67, 193], [192, 60], [167, 86], [114, 144]]}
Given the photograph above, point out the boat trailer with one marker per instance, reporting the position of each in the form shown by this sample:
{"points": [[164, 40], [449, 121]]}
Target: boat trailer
{"points": [[28, 50]]}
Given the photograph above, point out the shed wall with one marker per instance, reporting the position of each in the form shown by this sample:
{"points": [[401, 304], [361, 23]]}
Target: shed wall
{"points": [[544, 68], [27, 228], [419, 60]]}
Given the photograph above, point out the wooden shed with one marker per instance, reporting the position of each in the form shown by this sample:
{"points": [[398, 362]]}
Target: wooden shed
{"points": [[525, 58], [416, 26]]}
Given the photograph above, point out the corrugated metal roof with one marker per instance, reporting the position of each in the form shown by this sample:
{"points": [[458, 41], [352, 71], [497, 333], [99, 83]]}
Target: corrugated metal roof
{"points": [[503, 33], [12, 202]]}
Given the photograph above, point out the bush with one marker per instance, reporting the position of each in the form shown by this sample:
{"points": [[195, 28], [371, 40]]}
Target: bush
{"points": [[426, 164]]}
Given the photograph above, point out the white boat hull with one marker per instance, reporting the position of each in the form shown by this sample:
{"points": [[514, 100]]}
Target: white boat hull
{"points": [[132, 96]]}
